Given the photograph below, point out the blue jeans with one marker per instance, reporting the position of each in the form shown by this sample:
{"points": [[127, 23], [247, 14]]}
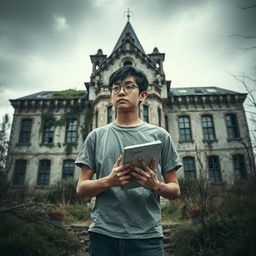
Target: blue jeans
{"points": [[101, 245]]}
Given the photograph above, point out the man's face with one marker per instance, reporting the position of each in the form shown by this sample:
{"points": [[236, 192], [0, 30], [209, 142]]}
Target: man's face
{"points": [[125, 94]]}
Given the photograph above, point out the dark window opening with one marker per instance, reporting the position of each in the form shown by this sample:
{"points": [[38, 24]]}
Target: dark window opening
{"points": [[68, 169], [19, 172], [25, 131], [44, 172]]}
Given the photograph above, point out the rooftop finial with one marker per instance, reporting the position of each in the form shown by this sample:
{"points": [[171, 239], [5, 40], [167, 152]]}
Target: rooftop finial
{"points": [[128, 14]]}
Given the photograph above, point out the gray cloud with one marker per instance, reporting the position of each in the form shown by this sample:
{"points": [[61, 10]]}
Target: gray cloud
{"points": [[45, 44]]}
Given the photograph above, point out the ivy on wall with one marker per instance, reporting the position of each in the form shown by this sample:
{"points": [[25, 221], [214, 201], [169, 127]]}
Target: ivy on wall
{"points": [[86, 128], [74, 112]]}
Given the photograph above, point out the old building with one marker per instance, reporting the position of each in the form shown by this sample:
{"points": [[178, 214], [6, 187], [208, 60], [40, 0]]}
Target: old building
{"points": [[208, 124]]}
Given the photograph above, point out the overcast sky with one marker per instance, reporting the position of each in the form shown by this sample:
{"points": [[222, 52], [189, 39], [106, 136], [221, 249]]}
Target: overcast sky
{"points": [[45, 44]]}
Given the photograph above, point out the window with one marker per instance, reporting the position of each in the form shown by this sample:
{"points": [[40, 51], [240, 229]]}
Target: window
{"points": [[68, 169], [239, 167], [44, 172], [166, 123], [96, 119], [127, 63], [208, 128], [71, 131], [189, 167], [159, 116], [184, 127], [182, 91], [211, 90], [110, 115], [214, 169], [19, 172], [232, 126], [48, 132], [145, 113], [25, 131]]}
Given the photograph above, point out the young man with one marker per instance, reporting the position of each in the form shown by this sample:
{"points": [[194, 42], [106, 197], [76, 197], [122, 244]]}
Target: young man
{"points": [[126, 222]]}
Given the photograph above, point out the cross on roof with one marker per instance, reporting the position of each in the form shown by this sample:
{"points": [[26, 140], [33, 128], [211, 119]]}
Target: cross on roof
{"points": [[128, 14]]}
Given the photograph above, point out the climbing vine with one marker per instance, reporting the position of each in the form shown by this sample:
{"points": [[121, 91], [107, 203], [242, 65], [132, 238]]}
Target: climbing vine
{"points": [[87, 121]]}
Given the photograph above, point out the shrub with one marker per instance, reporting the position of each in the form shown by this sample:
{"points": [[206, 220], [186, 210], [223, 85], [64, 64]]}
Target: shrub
{"points": [[79, 211], [63, 191], [173, 210], [229, 231], [21, 236]]}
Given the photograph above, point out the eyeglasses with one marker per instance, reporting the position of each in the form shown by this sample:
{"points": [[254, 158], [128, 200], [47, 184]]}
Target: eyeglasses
{"points": [[127, 88]]}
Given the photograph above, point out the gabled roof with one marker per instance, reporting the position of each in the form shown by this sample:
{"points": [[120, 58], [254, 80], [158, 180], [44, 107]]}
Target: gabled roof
{"points": [[212, 90], [128, 29]]}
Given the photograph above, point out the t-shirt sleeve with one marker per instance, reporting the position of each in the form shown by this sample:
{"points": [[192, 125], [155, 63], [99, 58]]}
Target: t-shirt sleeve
{"points": [[87, 153], [169, 156]]}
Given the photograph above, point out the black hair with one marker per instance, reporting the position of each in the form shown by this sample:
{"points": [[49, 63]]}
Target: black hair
{"points": [[124, 72]]}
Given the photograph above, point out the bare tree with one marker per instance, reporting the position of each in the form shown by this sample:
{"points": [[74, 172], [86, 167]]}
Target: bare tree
{"points": [[4, 142]]}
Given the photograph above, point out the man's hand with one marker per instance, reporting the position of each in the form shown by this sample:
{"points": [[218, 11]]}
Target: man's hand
{"points": [[148, 176], [120, 174]]}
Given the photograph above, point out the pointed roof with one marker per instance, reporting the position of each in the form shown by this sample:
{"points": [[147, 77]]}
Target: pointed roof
{"points": [[128, 29]]}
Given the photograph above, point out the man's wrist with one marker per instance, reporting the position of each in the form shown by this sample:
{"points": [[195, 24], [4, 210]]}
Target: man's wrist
{"points": [[106, 182], [157, 189]]}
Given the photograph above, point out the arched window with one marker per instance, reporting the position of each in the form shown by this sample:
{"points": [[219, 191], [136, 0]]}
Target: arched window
{"points": [[48, 132], [239, 167], [184, 128], [68, 169], [44, 172], [19, 172], [159, 116], [127, 63], [232, 126], [110, 114], [189, 167], [214, 169], [71, 131], [208, 127], [145, 113], [25, 131]]}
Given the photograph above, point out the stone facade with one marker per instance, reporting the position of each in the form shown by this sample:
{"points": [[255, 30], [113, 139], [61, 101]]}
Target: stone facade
{"points": [[40, 154]]}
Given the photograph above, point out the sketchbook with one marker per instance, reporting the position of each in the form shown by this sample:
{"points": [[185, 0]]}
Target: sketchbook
{"points": [[145, 151]]}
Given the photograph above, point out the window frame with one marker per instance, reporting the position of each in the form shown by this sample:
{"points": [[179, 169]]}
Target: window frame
{"points": [[24, 131], [240, 175], [66, 173], [159, 114], [187, 173], [145, 110], [44, 170], [45, 131], [185, 129], [213, 178], [212, 127], [166, 119], [72, 131], [20, 174], [109, 114], [232, 127]]}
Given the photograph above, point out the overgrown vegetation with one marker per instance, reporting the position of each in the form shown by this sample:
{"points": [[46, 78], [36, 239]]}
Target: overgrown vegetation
{"points": [[49, 120], [86, 128], [22, 233], [62, 192], [229, 227], [68, 94]]}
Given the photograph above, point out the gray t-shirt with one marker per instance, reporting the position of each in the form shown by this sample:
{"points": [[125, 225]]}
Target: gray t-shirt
{"points": [[119, 213]]}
